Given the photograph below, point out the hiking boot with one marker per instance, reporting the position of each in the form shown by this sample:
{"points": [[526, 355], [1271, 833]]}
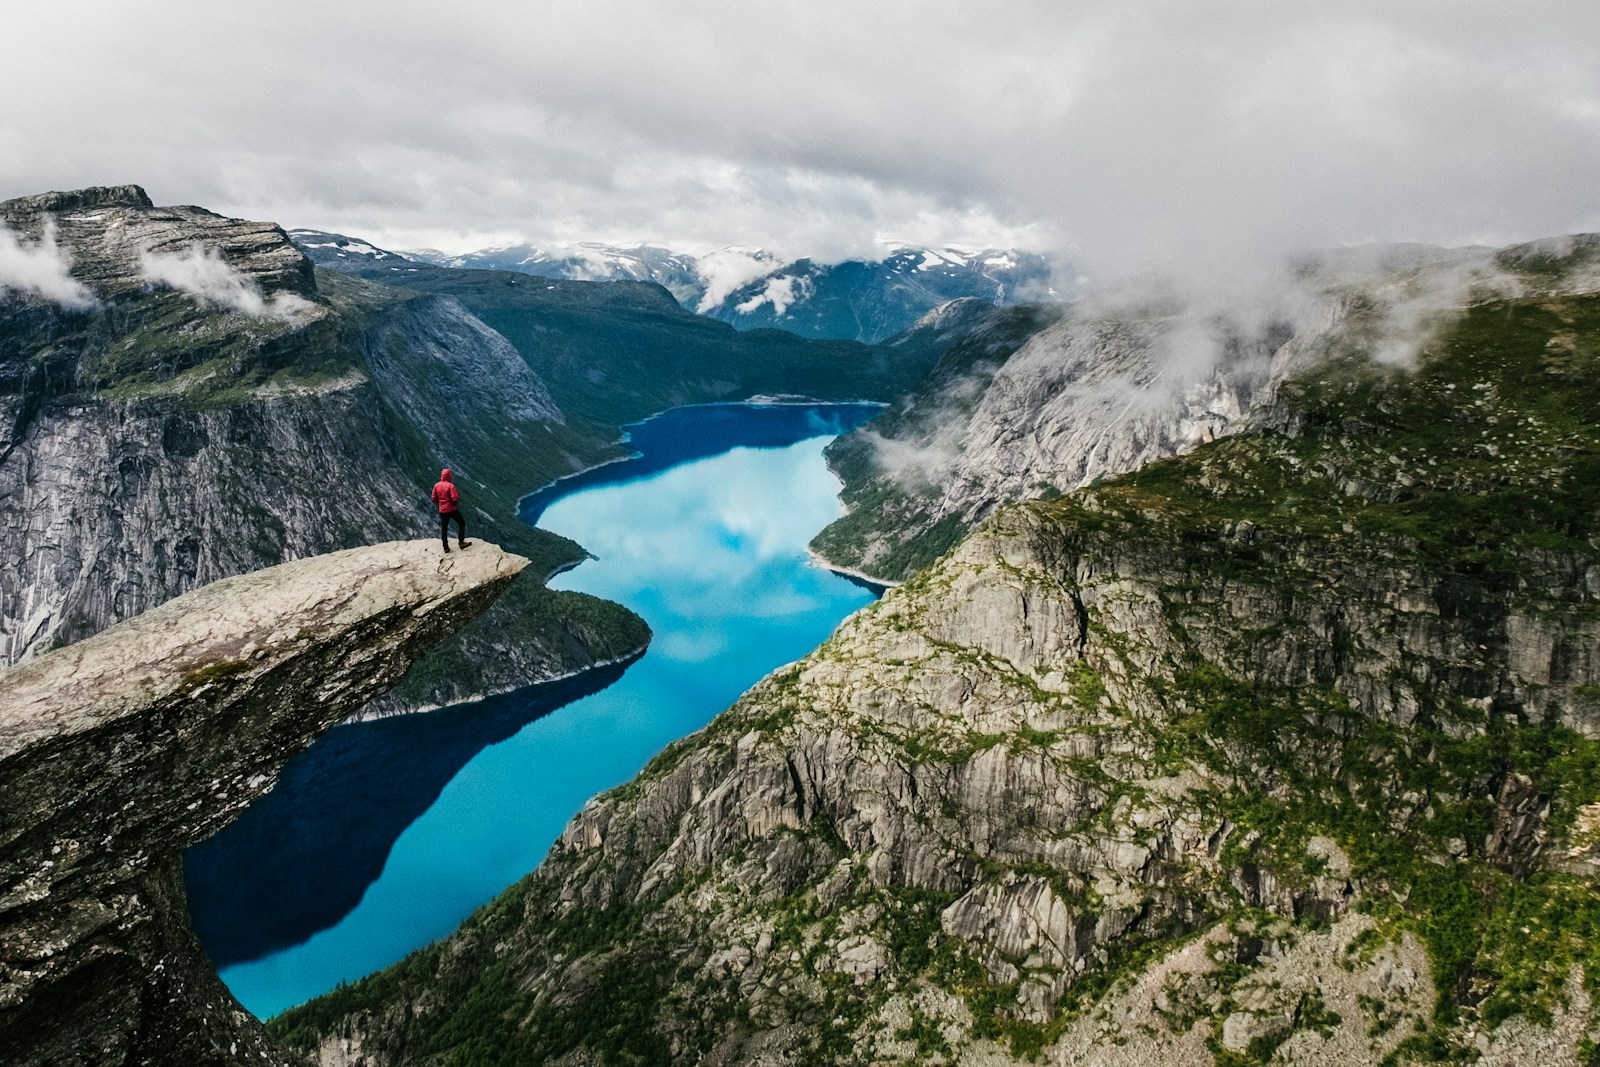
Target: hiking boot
{"points": [[463, 544]]}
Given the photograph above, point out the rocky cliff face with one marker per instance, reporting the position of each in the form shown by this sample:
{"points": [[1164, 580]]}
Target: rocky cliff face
{"points": [[217, 409], [1280, 750], [118, 752], [1107, 390]]}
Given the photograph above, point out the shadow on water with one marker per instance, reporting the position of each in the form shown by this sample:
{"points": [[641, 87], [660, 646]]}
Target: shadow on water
{"points": [[337, 810], [861, 581], [700, 431]]}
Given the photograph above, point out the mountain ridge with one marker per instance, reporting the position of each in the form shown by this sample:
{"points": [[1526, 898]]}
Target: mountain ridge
{"points": [[867, 300]]}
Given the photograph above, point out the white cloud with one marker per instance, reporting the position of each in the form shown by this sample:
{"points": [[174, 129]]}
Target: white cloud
{"points": [[780, 293], [39, 268], [203, 274], [1126, 133], [726, 269]]}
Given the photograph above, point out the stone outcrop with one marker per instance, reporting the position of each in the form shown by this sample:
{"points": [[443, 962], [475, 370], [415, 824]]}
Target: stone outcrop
{"points": [[105, 230], [121, 750]]}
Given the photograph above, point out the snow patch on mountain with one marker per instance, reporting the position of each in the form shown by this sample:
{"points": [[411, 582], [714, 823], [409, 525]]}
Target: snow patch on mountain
{"points": [[869, 299]]}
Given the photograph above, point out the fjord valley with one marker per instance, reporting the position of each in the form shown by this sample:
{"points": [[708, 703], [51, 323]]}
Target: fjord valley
{"points": [[146, 415], [387, 834], [189, 399], [1276, 747], [1235, 702]]}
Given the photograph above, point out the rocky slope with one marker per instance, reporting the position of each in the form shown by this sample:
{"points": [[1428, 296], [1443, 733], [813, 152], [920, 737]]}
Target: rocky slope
{"points": [[892, 467], [1286, 749], [1110, 388], [118, 752], [866, 300], [616, 352], [212, 407]]}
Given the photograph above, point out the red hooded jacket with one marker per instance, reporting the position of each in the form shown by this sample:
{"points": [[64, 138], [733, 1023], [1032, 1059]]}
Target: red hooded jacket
{"points": [[447, 496]]}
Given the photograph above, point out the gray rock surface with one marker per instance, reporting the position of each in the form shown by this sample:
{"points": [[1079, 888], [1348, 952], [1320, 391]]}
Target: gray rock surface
{"points": [[105, 230], [121, 750], [1113, 387]]}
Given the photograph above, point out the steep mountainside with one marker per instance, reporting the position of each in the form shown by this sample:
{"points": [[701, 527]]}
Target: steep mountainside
{"points": [[120, 751], [207, 407], [615, 352], [1284, 749], [1108, 389], [855, 300], [890, 467]]}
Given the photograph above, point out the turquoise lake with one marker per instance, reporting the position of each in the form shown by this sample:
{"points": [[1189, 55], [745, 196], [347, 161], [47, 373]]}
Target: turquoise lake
{"points": [[384, 836]]}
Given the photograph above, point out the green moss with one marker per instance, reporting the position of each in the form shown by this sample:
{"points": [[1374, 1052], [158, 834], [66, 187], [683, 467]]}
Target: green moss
{"points": [[925, 1034], [213, 672]]}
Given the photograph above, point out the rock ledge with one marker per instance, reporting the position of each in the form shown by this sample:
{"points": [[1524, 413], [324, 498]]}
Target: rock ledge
{"points": [[118, 752]]}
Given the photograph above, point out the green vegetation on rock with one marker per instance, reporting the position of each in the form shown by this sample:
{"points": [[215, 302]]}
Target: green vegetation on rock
{"points": [[1286, 746]]}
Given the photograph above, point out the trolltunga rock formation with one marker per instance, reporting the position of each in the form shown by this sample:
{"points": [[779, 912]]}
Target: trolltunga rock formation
{"points": [[119, 751]]}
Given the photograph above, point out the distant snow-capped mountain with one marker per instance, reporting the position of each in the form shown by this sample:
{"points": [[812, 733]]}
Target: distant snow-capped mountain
{"points": [[862, 300], [335, 250], [679, 274], [872, 301]]}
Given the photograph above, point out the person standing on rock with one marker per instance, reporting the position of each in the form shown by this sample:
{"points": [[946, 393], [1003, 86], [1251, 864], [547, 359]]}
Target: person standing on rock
{"points": [[448, 497]]}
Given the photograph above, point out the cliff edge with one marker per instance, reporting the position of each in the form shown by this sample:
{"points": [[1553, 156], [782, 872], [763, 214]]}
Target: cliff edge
{"points": [[118, 752]]}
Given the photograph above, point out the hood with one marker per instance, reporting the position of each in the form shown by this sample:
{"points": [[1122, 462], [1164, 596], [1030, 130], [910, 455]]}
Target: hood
{"points": [[444, 475]]}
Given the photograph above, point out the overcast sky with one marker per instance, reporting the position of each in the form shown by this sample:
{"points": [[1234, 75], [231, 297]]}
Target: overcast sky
{"points": [[1117, 132]]}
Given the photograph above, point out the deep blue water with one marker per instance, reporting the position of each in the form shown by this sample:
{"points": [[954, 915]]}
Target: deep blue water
{"points": [[383, 836]]}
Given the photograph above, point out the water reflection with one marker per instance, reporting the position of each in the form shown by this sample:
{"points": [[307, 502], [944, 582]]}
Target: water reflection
{"points": [[700, 431]]}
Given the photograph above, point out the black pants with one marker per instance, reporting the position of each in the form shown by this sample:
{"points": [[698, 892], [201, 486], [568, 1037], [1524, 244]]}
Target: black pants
{"points": [[444, 527]]}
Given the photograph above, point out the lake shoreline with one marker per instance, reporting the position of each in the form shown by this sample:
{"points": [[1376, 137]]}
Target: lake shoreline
{"points": [[817, 558], [758, 401], [478, 698]]}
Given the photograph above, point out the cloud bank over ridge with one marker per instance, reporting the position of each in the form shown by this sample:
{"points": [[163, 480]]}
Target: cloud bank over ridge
{"points": [[203, 275], [1122, 134]]}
